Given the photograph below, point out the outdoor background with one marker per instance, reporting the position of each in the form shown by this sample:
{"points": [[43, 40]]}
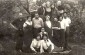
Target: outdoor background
{"points": [[10, 9]]}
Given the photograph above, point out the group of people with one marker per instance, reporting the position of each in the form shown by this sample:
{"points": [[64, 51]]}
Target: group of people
{"points": [[49, 27]]}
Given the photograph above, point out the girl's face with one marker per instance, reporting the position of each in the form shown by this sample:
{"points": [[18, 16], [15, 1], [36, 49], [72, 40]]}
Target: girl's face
{"points": [[29, 19], [38, 37], [52, 6], [45, 38], [61, 18], [48, 4], [47, 18]]}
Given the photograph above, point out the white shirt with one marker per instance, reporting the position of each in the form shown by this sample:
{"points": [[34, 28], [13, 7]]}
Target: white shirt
{"points": [[46, 44], [67, 21], [27, 23], [35, 44], [37, 22], [62, 24], [48, 23]]}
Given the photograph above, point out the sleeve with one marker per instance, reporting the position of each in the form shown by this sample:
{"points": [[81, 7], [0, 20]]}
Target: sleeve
{"points": [[52, 45], [25, 24], [31, 46]]}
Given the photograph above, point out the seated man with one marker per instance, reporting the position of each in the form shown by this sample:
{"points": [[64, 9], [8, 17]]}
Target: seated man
{"points": [[42, 33], [36, 44], [47, 45]]}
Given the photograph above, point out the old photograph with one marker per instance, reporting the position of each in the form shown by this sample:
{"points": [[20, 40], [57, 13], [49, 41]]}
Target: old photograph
{"points": [[42, 27]]}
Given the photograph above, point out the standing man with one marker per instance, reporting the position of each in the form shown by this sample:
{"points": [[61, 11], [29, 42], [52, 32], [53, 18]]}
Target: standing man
{"points": [[37, 24], [18, 26], [67, 24]]}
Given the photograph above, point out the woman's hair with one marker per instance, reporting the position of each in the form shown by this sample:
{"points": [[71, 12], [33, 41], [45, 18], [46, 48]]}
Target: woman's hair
{"points": [[38, 35], [46, 35]]}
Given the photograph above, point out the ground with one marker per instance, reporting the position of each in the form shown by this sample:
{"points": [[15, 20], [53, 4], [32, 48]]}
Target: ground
{"points": [[7, 47]]}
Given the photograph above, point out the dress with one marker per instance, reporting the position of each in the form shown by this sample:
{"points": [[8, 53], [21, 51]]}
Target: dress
{"points": [[48, 12], [48, 28], [28, 36]]}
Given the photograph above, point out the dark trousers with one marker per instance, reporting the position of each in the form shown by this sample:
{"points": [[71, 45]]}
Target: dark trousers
{"points": [[62, 37], [19, 42], [36, 31], [66, 38]]}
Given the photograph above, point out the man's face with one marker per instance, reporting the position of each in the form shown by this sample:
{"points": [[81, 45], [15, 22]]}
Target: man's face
{"points": [[36, 16], [65, 14], [55, 19], [20, 19]]}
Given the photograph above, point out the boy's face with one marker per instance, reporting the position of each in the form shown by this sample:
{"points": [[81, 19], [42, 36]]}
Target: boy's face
{"points": [[42, 30], [47, 18], [52, 6], [65, 14]]}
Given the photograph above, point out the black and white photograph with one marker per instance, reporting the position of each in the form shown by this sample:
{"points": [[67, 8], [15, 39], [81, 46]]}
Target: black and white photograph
{"points": [[42, 27]]}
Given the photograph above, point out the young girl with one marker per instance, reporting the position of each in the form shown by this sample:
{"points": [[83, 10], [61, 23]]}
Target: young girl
{"points": [[27, 26], [48, 26], [36, 44], [47, 45]]}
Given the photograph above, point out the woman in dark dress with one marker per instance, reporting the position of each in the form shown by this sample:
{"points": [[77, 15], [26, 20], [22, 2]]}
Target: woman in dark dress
{"points": [[48, 9], [48, 26], [54, 12], [56, 32], [27, 34]]}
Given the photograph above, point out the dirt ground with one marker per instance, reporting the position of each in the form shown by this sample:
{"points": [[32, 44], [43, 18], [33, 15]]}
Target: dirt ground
{"points": [[7, 47]]}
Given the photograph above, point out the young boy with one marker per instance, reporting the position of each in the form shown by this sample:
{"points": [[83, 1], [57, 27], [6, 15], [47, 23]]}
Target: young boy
{"points": [[62, 32]]}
